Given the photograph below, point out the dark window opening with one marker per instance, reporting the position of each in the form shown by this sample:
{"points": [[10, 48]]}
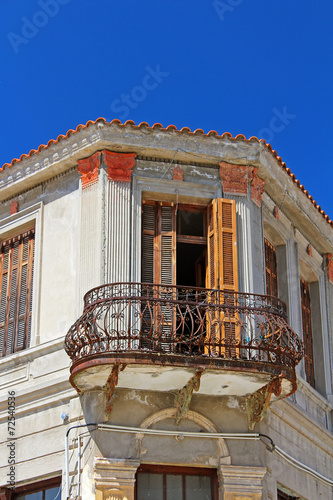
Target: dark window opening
{"points": [[190, 222]]}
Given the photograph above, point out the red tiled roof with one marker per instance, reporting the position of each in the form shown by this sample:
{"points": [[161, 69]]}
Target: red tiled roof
{"points": [[183, 130]]}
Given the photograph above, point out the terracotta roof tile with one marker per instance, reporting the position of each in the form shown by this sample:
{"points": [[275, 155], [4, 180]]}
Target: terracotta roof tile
{"points": [[172, 128]]}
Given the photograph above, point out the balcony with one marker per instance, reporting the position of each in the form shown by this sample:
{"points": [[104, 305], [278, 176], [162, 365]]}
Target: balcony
{"points": [[159, 337]]}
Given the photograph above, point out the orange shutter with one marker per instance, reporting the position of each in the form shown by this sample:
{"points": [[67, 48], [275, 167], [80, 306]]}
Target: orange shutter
{"points": [[17, 256], [222, 247], [222, 275], [228, 245]]}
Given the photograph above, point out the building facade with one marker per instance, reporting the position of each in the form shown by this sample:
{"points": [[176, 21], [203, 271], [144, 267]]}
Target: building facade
{"points": [[165, 320]]}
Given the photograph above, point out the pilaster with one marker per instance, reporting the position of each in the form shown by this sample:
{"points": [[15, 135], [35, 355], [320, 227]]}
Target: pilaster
{"points": [[91, 243], [115, 479], [118, 210], [241, 483], [241, 183]]}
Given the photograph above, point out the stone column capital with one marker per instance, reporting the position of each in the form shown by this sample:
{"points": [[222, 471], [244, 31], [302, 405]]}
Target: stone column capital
{"points": [[88, 169], [119, 165]]}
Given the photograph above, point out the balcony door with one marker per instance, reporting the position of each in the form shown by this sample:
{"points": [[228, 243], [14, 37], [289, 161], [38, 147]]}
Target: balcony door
{"points": [[188, 246]]}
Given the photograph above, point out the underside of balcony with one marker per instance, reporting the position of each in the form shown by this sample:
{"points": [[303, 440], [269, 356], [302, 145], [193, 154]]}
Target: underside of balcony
{"points": [[159, 338]]}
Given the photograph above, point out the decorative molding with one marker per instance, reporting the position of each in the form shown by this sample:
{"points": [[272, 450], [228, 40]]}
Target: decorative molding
{"points": [[184, 396], [235, 178], [119, 165], [14, 207], [330, 267], [258, 188], [194, 416], [257, 402], [88, 169], [178, 173]]}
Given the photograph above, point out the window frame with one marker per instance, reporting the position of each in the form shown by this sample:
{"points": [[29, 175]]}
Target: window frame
{"points": [[14, 225], [179, 470], [37, 487], [16, 290]]}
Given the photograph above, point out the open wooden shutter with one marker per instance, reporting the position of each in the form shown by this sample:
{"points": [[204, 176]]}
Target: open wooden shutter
{"points": [[222, 275], [16, 257], [222, 247]]}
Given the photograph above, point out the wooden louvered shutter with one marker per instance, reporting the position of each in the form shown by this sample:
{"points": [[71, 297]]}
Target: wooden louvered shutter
{"points": [[221, 243], [228, 246], [222, 274], [148, 242], [271, 270], [307, 333], [159, 268], [159, 243], [17, 255], [166, 246]]}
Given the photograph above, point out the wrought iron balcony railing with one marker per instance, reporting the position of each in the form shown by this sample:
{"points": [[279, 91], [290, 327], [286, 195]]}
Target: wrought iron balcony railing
{"points": [[187, 321]]}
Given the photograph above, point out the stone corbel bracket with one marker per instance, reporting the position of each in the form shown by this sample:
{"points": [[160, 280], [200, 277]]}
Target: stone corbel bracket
{"points": [[184, 396], [258, 402], [110, 387]]}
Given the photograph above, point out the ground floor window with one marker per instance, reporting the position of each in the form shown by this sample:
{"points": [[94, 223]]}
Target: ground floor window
{"points": [[43, 490], [285, 496], [175, 483]]}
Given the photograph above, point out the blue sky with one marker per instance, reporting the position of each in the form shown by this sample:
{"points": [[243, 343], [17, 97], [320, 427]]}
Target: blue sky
{"points": [[240, 66]]}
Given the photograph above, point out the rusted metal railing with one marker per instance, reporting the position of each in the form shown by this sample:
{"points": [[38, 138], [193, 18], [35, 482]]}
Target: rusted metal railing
{"points": [[187, 321]]}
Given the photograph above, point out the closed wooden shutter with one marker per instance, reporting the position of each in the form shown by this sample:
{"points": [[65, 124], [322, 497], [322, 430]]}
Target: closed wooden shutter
{"points": [[159, 268], [16, 268], [222, 275], [271, 270], [159, 243], [307, 333]]}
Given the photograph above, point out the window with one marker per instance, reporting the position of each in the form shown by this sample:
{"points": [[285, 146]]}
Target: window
{"points": [[190, 245], [271, 270], [307, 333], [281, 495], [175, 483], [16, 277], [42, 490]]}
